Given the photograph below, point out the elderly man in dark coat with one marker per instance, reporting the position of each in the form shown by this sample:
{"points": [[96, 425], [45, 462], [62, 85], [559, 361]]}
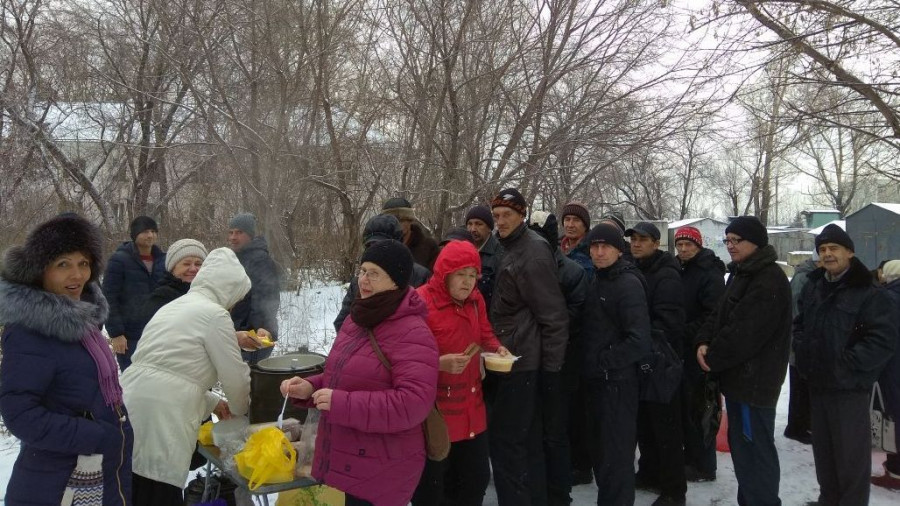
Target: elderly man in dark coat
{"points": [[745, 342], [844, 333], [480, 223]]}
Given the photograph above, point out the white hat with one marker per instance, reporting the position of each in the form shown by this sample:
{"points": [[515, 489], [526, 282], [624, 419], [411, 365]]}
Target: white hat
{"points": [[179, 250]]}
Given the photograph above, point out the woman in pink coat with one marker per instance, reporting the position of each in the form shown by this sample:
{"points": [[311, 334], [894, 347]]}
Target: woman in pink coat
{"points": [[370, 443]]}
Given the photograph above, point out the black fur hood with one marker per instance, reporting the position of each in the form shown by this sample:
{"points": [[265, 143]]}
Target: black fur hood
{"points": [[50, 314]]}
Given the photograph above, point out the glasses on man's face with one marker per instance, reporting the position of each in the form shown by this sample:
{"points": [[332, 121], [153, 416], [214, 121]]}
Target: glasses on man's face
{"points": [[373, 276], [732, 242]]}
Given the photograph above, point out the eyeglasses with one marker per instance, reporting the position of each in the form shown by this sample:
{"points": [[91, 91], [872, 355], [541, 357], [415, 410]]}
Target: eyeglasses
{"points": [[373, 276], [732, 242]]}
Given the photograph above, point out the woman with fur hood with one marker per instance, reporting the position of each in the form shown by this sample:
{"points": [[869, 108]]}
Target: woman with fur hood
{"points": [[187, 348], [59, 385]]}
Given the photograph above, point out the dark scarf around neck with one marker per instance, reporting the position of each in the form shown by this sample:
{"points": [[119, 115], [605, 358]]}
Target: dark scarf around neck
{"points": [[373, 310]]}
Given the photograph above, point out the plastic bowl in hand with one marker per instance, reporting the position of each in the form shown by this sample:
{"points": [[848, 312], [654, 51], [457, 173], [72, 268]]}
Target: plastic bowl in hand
{"points": [[498, 363]]}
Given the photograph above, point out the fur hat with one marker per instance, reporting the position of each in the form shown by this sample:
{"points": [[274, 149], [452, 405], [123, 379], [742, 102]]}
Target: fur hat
{"points": [[607, 233], [392, 256], [691, 234], [140, 224], [891, 271], [834, 234], [512, 199], [481, 213], [399, 207], [181, 249], [749, 228], [63, 234], [245, 222], [578, 210]]}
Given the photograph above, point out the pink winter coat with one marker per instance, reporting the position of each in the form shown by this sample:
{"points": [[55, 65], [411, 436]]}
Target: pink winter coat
{"points": [[370, 444]]}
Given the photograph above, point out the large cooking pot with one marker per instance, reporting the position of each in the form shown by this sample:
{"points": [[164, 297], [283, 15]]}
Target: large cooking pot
{"points": [[266, 377]]}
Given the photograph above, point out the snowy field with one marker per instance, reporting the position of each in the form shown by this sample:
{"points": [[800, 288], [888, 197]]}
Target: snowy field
{"points": [[306, 321]]}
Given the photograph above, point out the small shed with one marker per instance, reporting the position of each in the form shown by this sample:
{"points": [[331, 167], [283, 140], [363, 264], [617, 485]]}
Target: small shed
{"points": [[788, 239], [875, 230], [819, 217], [713, 231]]}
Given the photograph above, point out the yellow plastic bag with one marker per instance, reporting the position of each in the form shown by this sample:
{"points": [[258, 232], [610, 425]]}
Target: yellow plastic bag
{"points": [[267, 457], [204, 436]]}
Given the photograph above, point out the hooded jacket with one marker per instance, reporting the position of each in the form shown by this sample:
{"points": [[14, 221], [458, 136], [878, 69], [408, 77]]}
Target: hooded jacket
{"points": [[50, 396], [370, 443], [749, 333], [665, 296], [528, 309], [845, 331], [259, 309], [455, 327], [187, 348], [703, 279], [127, 285], [169, 289]]}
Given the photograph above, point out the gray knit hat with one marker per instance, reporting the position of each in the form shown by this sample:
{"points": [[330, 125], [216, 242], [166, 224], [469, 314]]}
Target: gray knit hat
{"points": [[181, 249], [245, 222]]}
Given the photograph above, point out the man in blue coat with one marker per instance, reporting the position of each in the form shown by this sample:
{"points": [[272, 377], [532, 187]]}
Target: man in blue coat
{"points": [[132, 274]]}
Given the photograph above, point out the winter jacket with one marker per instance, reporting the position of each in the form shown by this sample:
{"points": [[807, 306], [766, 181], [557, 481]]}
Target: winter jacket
{"points": [[370, 443], [703, 280], [890, 376], [749, 333], [581, 254], [169, 289], [424, 249], [574, 283], [616, 323], [420, 275], [259, 309], [50, 396], [801, 277], [491, 254], [455, 326], [845, 331], [187, 348], [528, 309], [127, 284], [665, 296]]}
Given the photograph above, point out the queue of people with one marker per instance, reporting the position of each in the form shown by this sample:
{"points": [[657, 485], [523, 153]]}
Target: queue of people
{"points": [[581, 313]]}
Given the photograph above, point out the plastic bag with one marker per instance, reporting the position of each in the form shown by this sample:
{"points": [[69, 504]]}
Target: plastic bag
{"points": [[267, 457], [306, 447], [204, 435]]}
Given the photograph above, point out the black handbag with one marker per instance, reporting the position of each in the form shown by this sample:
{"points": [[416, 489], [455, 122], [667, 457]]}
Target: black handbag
{"points": [[221, 491], [708, 410], [660, 371]]}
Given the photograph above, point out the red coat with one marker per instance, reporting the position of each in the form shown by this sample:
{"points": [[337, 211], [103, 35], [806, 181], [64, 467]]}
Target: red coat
{"points": [[455, 326]]}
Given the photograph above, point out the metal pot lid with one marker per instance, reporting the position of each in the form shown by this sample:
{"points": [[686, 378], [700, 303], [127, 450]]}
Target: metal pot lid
{"points": [[291, 362]]}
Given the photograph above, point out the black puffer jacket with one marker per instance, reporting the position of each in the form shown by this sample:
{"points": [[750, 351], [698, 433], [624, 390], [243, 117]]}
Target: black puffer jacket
{"points": [[616, 323], [259, 309], [845, 331], [528, 309], [169, 289], [749, 333], [665, 296], [491, 254], [703, 278]]}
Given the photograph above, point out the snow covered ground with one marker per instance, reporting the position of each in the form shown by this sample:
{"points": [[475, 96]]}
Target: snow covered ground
{"points": [[306, 320]]}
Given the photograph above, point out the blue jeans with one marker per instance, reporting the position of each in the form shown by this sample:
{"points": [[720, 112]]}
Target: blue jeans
{"points": [[751, 436]]}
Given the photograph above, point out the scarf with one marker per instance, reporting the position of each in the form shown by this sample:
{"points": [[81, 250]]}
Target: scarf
{"points": [[107, 372], [369, 312]]}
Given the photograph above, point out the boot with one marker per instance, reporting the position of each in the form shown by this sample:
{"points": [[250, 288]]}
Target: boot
{"points": [[889, 480]]}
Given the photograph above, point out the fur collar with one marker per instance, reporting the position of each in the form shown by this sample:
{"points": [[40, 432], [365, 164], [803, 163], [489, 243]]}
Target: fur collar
{"points": [[50, 314]]}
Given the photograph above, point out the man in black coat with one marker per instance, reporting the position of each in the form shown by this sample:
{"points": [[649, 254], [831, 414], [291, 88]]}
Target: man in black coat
{"points": [[480, 224], [703, 278], [259, 309], [660, 439], [379, 228], [745, 343], [844, 333], [530, 319], [133, 272], [616, 335]]}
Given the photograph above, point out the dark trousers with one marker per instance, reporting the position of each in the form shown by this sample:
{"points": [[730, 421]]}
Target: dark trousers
{"points": [[147, 492], [579, 428], [751, 436], [614, 407], [842, 446], [515, 439], [697, 453], [798, 422], [660, 439], [350, 500], [460, 479], [124, 359], [554, 400]]}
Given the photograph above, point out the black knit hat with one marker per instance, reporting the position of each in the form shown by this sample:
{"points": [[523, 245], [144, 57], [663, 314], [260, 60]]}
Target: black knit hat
{"points": [[481, 213], [614, 219], [393, 257], [381, 227], [606, 233], [140, 224], [63, 234], [512, 199], [834, 234], [578, 210], [457, 234], [646, 229], [749, 228]]}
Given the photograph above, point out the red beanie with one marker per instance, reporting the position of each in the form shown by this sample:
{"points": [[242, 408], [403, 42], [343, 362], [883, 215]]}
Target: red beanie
{"points": [[689, 233]]}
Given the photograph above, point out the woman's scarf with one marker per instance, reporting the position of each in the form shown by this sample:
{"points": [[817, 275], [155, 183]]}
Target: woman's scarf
{"points": [[107, 371], [371, 311]]}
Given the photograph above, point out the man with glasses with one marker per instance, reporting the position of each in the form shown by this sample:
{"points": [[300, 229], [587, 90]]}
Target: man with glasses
{"points": [[745, 342]]}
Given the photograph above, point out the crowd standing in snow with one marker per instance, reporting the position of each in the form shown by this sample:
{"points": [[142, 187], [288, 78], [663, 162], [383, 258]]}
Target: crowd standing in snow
{"points": [[590, 316]]}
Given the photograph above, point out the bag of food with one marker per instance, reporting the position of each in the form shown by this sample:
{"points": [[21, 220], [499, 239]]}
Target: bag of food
{"points": [[267, 457]]}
